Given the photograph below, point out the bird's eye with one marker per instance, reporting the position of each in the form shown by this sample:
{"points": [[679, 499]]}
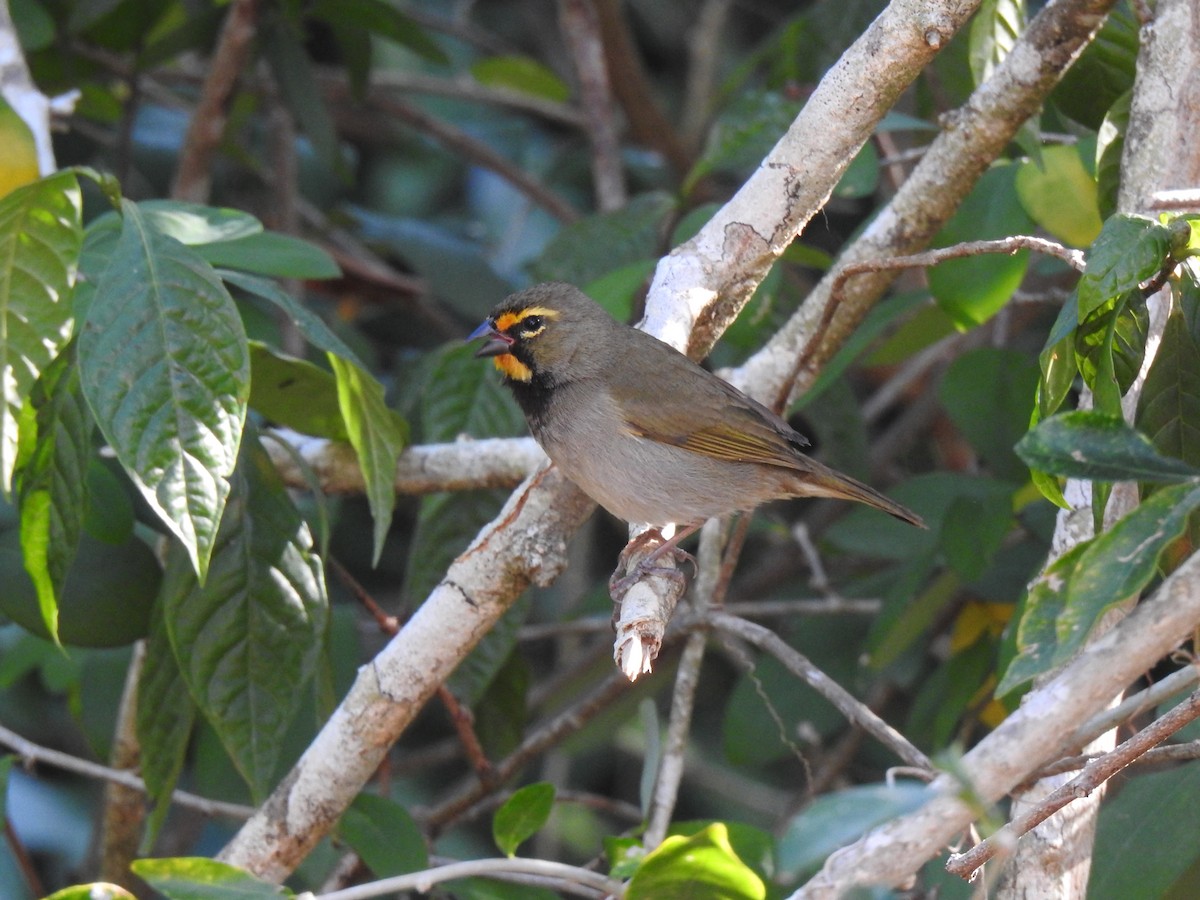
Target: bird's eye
{"points": [[531, 325]]}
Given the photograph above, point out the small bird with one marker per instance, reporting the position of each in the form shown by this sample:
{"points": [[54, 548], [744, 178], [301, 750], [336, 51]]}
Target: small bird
{"points": [[645, 432]]}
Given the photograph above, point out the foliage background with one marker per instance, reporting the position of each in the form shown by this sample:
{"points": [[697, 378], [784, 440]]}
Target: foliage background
{"points": [[443, 159]]}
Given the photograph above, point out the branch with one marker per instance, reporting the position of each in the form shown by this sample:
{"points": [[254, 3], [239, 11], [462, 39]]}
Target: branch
{"points": [[193, 174], [36, 753], [526, 541], [702, 285], [1039, 730], [523, 544], [845, 702], [462, 466], [422, 882], [973, 136], [1094, 774]]}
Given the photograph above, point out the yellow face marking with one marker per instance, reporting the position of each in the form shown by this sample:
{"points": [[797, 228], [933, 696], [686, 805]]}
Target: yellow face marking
{"points": [[508, 322], [513, 367]]}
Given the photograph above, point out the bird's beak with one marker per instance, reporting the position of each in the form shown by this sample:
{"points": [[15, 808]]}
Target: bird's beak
{"points": [[498, 343]]}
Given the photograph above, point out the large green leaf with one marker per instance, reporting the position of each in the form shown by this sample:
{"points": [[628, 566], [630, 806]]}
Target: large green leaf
{"points": [[1075, 591], [627, 235], [1129, 250], [834, 820], [377, 435], [53, 483], [1103, 72], [522, 815], [308, 323], [995, 28], [198, 878], [195, 225], [1060, 194], [271, 253], [1110, 145], [384, 835], [745, 132], [295, 393], [1140, 849], [1169, 406], [40, 239], [1090, 445], [703, 866], [166, 370], [165, 716], [973, 289], [988, 393], [248, 638]]}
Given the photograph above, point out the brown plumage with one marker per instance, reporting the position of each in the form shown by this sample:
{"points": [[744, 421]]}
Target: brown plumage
{"points": [[648, 434]]}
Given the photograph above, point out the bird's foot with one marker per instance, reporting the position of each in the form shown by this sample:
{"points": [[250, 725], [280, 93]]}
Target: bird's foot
{"points": [[647, 564]]}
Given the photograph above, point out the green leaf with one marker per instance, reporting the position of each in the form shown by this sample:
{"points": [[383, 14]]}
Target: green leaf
{"points": [[194, 224], [701, 867], [1074, 592], [861, 177], [249, 637], [1138, 851], [1100, 448], [1059, 194], [166, 715], [377, 436], [1110, 145], [1110, 345], [197, 878], [994, 30], [40, 240], [1129, 250], [834, 820], [384, 835], [502, 709], [53, 483], [1169, 406], [988, 393], [744, 133], [293, 70], [274, 254], [973, 289], [1059, 370], [522, 815], [95, 891], [295, 393], [308, 323], [1119, 563], [1103, 72], [382, 19], [1036, 618], [627, 235], [165, 368], [521, 73]]}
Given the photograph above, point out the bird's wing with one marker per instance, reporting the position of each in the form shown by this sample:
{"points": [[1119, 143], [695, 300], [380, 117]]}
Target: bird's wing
{"points": [[717, 420]]}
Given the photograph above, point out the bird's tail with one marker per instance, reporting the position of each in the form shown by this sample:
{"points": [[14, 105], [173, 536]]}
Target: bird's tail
{"points": [[822, 481]]}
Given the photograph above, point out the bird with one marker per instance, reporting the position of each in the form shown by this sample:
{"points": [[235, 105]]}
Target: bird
{"points": [[647, 433]]}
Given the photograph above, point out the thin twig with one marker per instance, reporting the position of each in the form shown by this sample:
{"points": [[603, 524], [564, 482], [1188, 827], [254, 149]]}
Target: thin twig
{"points": [[845, 702], [35, 753], [1008, 246], [569, 878], [1094, 774], [459, 142], [1185, 752], [1107, 719], [536, 742]]}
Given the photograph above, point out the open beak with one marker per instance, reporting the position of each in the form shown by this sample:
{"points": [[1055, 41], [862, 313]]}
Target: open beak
{"points": [[498, 343]]}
